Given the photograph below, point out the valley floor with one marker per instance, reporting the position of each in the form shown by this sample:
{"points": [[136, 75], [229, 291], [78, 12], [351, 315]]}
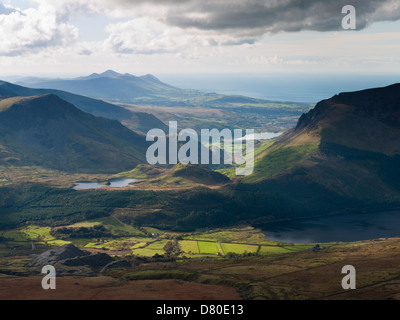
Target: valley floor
{"points": [[221, 264]]}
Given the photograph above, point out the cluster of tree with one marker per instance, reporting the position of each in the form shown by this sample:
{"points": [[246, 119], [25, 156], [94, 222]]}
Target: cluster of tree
{"points": [[237, 255], [171, 248], [137, 260], [97, 231]]}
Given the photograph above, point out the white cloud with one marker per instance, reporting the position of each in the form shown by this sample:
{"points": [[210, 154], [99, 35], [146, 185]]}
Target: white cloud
{"points": [[149, 36], [144, 35], [28, 30]]}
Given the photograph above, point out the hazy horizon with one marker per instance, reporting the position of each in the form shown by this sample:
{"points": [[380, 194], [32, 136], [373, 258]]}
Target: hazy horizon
{"points": [[300, 87]]}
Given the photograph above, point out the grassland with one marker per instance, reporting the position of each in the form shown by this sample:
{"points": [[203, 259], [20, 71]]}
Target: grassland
{"points": [[151, 248], [11, 175], [142, 171], [189, 246], [208, 247], [25, 240], [241, 234], [116, 227], [272, 250], [32, 233], [122, 239], [259, 147], [238, 257], [276, 161], [239, 248], [125, 240]]}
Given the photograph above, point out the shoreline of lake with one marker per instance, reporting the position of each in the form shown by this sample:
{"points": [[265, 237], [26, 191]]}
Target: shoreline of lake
{"points": [[335, 228], [112, 183]]}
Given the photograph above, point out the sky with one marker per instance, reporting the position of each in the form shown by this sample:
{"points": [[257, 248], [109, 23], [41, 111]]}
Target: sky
{"points": [[79, 37]]}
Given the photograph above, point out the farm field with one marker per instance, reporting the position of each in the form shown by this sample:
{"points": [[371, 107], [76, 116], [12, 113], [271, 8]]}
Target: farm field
{"points": [[238, 258], [239, 248], [208, 247], [189, 246], [122, 239], [151, 249]]}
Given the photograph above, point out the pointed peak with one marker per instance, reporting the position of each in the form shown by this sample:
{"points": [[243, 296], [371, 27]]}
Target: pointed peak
{"points": [[150, 77], [110, 73], [107, 74]]}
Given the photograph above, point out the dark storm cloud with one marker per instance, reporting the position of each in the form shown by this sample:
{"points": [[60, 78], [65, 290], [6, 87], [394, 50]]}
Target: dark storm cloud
{"points": [[258, 17]]}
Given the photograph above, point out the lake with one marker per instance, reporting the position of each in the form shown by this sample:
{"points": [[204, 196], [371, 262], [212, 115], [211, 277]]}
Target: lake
{"points": [[346, 228], [114, 183], [261, 136]]}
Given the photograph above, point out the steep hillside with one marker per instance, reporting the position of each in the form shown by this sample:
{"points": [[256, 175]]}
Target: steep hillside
{"points": [[50, 132], [346, 149], [198, 174], [180, 176]]}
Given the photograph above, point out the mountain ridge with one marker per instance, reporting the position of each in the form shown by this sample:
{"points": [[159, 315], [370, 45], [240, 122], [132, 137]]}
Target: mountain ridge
{"points": [[111, 85], [47, 131], [136, 121], [374, 113], [344, 151], [145, 90]]}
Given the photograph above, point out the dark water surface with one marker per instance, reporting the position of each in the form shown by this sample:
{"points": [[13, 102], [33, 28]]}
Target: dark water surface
{"points": [[351, 227]]}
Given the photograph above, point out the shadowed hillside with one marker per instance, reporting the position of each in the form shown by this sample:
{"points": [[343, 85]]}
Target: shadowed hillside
{"points": [[344, 151], [50, 132]]}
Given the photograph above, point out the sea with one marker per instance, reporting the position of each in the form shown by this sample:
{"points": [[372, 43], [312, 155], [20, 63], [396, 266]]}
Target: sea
{"points": [[280, 87]]}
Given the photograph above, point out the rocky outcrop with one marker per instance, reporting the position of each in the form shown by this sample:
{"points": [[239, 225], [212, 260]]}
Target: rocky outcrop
{"points": [[94, 260], [71, 256], [59, 255]]}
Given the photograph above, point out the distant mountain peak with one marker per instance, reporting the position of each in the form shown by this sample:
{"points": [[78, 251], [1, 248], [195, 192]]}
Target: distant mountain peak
{"points": [[106, 74], [149, 77], [110, 73], [114, 86]]}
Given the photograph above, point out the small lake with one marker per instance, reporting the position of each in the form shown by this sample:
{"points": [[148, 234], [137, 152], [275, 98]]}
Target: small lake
{"points": [[261, 136], [346, 228], [114, 183]]}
